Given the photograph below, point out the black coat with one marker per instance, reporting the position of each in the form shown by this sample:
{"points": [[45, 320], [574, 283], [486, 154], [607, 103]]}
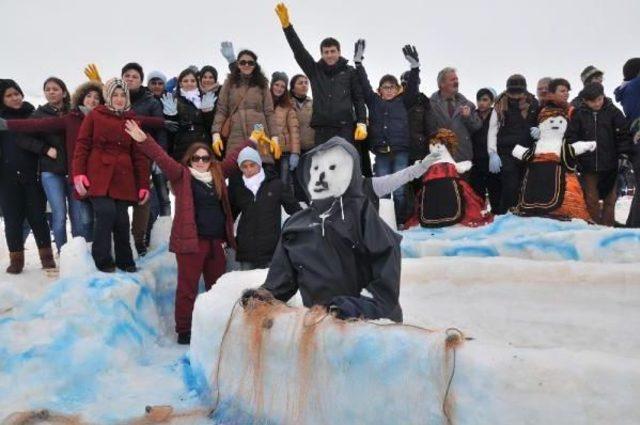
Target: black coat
{"points": [[422, 124], [332, 259], [388, 119], [52, 140], [259, 226], [193, 128], [336, 89], [608, 128], [514, 128], [19, 152], [144, 104], [479, 140]]}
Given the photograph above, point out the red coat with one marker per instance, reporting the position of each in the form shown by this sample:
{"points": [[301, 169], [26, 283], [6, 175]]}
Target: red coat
{"points": [[108, 156], [184, 231]]}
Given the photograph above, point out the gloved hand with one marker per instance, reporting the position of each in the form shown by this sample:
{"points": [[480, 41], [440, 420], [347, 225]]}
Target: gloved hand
{"points": [[358, 51], [430, 159], [258, 133], [344, 307], [535, 133], [463, 166], [81, 183], [91, 71], [283, 15], [143, 196], [226, 48], [274, 147], [361, 132], [294, 159], [495, 164], [171, 126], [3, 124], [208, 102], [169, 104], [411, 55], [85, 111], [251, 296], [519, 151], [217, 145], [582, 147]]}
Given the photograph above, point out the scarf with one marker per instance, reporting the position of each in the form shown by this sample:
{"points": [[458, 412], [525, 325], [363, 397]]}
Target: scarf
{"points": [[253, 183], [502, 105], [204, 177], [192, 96]]}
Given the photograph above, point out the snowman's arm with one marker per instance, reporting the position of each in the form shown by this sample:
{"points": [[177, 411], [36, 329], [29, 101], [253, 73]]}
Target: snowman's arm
{"points": [[522, 153], [384, 185], [581, 147], [463, 166]]}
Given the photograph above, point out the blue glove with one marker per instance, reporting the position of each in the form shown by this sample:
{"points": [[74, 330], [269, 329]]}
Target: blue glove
{"points": [[294, 159], [171, 85], [495, 164]]}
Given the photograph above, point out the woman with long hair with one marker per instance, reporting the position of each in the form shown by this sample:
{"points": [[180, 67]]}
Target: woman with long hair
{"points": [[286, 129]]}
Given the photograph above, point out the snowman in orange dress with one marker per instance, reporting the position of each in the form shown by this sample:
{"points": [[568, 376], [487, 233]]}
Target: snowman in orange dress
{"points": [[550, 187], [445, 198]]}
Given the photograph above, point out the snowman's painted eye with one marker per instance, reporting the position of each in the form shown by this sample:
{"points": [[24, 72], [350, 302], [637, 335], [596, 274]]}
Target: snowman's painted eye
{"points": [[332, 167], [315, 168]]}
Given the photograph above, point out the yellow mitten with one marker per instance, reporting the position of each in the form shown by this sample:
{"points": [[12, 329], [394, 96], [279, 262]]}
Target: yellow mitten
{"points": [[217, 145], [283, 14], [274, 148], [257, 134], [91, 71], [361, 132]]}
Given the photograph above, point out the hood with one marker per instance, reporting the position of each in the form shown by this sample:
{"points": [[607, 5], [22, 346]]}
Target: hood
{"points": [[355, 186], [619, 92]]}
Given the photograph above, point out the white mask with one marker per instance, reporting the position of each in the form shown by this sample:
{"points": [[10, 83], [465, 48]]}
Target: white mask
{"points": [[330, 173]]}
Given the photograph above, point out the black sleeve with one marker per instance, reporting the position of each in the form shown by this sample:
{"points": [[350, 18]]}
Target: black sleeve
{"points": [[357, 97], [281, 279], [160, 135], [302, 56], [572, 133], [31, 144], [289, 201], [623, 139], [367, 90], [409, 97]]}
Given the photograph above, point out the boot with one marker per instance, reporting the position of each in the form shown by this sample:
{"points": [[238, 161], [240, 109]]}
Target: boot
{"points": [[46, 258], [16, 262]]}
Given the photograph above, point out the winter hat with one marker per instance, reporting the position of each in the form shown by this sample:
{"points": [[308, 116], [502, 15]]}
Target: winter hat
{"points": [[486, 91], [208, 68], [588, 73], [153, 75], [135, 66], [111, 86], [279, 76], [83, 89], [591, 91], [7, 84], [249, 154], [631, 69], [516, 84]]}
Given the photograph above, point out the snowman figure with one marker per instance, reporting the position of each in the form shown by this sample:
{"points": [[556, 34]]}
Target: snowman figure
{"points": [[550, 186], [445, 198]]}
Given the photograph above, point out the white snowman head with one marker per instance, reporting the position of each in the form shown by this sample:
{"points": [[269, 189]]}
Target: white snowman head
{"points": [[330, 173], [553, 127], [445, 142]]}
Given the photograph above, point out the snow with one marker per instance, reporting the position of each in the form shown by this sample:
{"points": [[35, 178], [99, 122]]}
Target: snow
{"points": [[552, 314]]}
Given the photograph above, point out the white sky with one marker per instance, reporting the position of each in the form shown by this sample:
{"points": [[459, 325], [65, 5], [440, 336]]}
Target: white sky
{"points": [[486, 40]]}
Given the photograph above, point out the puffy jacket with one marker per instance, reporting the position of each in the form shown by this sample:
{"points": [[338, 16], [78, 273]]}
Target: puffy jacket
{"points": [[388, 119], [610, 131], [628, 95], [259, 226], [19, 153], [52, 140], [304, 111], [422, 124], [337, 94], [144, 104], [287, 129], [515, 129]]}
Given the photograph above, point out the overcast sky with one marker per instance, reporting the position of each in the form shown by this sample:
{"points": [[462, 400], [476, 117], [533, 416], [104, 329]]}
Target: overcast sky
{"points": [[486, 40]]}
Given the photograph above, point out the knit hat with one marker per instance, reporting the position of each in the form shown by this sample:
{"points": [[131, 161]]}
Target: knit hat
{"points": [[588, 73], [153, 75], [279, 76], [591, 91], [631, 69], [249, 154], [516, 84], [486, 91], [135, 66], [6, 84], [111, 86]]}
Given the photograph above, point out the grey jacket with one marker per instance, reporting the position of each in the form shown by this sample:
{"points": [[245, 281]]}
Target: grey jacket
{"points": [[463, 127]]}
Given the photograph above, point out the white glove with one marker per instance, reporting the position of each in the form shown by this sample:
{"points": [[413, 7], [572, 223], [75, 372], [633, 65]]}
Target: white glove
{"points": [[430, 159], [535, 133], [463, 166], [582, 147], [226, 48], [208, 101], [519, 151], [169, 104]]}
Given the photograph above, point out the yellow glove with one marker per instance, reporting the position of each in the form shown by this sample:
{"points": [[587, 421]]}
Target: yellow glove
{"points": [[283, 14], [217, 145], [91, 71], [361, 132], [274, 148], [257, 134]]}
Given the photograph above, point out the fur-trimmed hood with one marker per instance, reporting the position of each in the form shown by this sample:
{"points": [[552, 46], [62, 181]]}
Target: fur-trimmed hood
{"points": [[82, 90]]}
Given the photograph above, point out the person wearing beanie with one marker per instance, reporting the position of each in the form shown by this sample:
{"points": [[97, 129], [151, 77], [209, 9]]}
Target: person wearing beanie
{"points": [[599, 120], [156, 82], [258, 197], [514, 115], [203, 220], [303, 106], [628, 93], [590, 74], [482, 181], [287, 128], [94, 175], [21, 194]]}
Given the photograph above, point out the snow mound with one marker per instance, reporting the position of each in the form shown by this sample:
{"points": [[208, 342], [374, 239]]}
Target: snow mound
{"points": [[528, 238]]}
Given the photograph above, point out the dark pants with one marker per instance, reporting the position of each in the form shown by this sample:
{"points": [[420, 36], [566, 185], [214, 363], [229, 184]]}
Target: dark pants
{"points": [[597, 186], [20, 201], [111, 218], [160, 203], [511, 176], [322, 134], [483, 182], [208, 262]]}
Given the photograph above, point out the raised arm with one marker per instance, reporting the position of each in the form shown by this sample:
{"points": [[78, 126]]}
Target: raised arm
{"points": [[300, 53], [413, 83], [148, 146]]}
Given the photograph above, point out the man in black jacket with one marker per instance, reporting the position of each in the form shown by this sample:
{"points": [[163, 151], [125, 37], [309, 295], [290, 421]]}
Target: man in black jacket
{"points": [[338, 101]]}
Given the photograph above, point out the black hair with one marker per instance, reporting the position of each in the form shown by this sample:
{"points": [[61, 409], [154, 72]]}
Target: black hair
{"points": [[388, 78], [185, 72], [329, 42], [257, 76], [592, 91], [136, 67], [557, 82], [66, 100], [208, 68]]}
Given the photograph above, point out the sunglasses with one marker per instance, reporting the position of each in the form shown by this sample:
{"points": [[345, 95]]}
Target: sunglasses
{"points": [[204, 158], [246, 63]]}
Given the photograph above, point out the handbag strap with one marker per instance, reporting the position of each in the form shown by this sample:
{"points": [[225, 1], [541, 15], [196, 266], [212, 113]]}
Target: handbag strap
{"points": [[235, 109]]}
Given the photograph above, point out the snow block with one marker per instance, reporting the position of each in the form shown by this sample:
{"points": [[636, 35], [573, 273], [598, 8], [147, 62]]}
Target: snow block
{"points": [[291, 365]]}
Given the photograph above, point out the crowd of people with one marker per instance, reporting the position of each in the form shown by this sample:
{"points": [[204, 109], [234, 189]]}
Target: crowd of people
{"points": [[232, 150]]}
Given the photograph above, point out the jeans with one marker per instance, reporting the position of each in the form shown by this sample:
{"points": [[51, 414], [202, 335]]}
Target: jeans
{"points": [[55, 186], [81, 216], [160, 201], [389, 163]]}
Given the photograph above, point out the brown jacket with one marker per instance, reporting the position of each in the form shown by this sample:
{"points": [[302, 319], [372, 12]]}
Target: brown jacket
{"points": [[286, 129], [255, 108], [304, 111]]}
